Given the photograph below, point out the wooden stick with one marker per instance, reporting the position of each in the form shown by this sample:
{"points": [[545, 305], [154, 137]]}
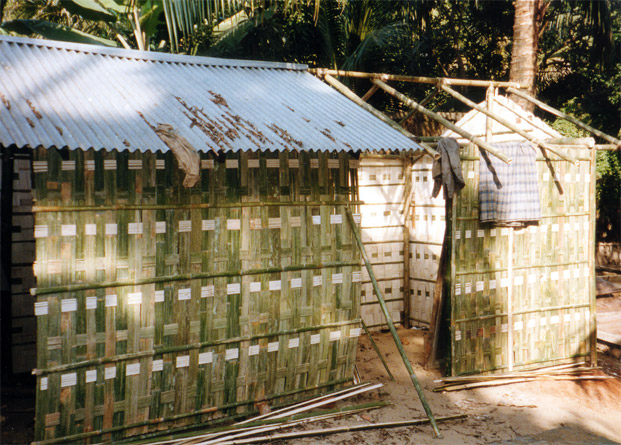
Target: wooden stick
{"points": [[410, 103], [381, 116], [565, 116], [506, 123], [369, 93], [343, 429], [391, 325], [414, 79], [377, 351], [518, 380], [423, 102]]}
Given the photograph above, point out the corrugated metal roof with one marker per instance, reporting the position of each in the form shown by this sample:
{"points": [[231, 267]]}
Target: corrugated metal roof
{"points": [[57, 94]]}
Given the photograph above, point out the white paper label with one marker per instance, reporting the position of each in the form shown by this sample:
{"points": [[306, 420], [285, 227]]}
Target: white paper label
{"points": [[272, 347], [504, 327], [531, 323], [39, 166], [159, 296], [316, 220], [555, 227], [575, 272], [68, 230], [109, 164], [315, 338], [337, 278], [111, 229], [274, 223], [458, 234], [205, 357], [480, 233], [577, 316], [91, 302], [185, 226], [554, 319], [91, 375], [567, 318], [158, 365], [231, 354], [457, 335], [492, 232], [160, 227], [206, 164], [355, 332], [457, 288], [543, 321], [208, 224], [468, 234], [357, 218], [336, 219], [40, 308], [492, 284], [43, 383], [567, 177], [111, 300], [232, 163], [518, 325], [253, 350], [480, 286], [317, 280], [272, 163], [184, 294], [90, 229], [134, 228], [69, 305], [40, 231], [471, 174], [255, 286], [253, 163], [335, 335], [183, 361], [504, 282], [294, 163], [554, 276], [134, 298], [89, 164], [468, 288], [68, 379], [519, 280], [160, 164], [275, 285], [233, 224], [504, 231], [233, 288], [295, 221], [294, 343], [110, 373], [207, 291], [296, 283], [132, 369], [356, 277], [134, 164], [532, 278]]}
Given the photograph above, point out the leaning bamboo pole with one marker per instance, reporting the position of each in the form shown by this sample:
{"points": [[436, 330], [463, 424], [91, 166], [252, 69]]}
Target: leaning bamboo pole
{"points": [[381, 116], [410, 103], [414, 79], [506, 123], [565, 116], [391, 325]]}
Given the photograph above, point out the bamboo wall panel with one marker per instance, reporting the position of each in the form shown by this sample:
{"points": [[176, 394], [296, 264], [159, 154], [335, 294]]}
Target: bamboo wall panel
{"points": [[382, 188], [524, 298], [426, 237], [160, 307]]}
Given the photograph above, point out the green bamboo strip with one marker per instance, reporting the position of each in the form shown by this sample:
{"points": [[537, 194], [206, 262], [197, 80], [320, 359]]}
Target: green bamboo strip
{"points": [[155, 421], [377, 351], [530, 266], [190, 206], [391, 325], [523, 312], [158, 350], [186, 277]]}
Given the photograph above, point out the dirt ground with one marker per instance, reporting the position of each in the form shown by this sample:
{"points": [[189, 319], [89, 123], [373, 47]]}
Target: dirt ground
{"points": [[585, 412]]}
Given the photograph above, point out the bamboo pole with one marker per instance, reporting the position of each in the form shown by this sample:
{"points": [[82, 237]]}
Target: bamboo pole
{"points": [[589, 142], [414, 79], [410, 103], [342, 429], [565, 116], [423, 102], [369, 93], [506, 123], [376, 349], [381, 116], [391, 326], [407, 174]]}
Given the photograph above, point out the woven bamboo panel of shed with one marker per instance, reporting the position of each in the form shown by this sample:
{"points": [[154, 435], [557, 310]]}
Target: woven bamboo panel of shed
{"points": [[524, 298], [160, 307]]}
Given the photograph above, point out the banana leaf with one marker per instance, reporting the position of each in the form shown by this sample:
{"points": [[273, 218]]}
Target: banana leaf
{"points": [[54, 31]]}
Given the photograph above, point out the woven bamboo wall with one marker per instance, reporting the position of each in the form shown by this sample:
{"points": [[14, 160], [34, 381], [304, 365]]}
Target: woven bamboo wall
{"points": [[159, 307], [382, 188], [532, 304]]}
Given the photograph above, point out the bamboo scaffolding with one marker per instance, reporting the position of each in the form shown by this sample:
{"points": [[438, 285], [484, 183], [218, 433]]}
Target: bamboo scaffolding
{"points": [[565, 116], [410, 103], [414, 79], [353, 97], [506, 123], [391, 326]]}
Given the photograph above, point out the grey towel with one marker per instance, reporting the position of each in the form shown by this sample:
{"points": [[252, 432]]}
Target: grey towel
{"points": [[446, 171]]}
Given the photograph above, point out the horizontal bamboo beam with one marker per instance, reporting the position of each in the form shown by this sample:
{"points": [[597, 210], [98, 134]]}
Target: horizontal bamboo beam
{"points": [[381, 116], [159, 350], [435, 116], [565, 116], [607, 147], [190, 206], [506, 123], [415, 79], [185, 277], [589, 142]]}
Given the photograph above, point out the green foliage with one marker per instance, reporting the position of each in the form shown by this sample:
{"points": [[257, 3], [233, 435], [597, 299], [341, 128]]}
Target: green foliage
{"points": [[54, 31]]}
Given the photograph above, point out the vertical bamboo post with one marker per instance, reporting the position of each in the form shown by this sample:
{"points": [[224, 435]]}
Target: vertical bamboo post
{"points": [[510, 301], [489, 101], [407, 177], [391, 325]]}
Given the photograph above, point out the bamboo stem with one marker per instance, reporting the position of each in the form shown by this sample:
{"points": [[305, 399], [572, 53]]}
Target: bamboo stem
{"points": [[369, 93], [565, 116], [423, 102], [186, 277], [391, 326], [414, 79], [410, 103], [381, 116], [506, 123], [376, 349]]}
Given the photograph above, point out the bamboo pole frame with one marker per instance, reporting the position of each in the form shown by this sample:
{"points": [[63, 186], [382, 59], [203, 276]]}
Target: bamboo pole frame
{"points": [[506, 123], [391, 325], [410, 103], [565, 116]]}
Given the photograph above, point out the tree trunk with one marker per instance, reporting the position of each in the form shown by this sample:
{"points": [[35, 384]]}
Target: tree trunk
{"points": [[524, 51]]}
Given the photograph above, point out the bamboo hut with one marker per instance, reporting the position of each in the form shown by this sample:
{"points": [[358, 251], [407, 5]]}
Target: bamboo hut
{"points": [[191, 226]]}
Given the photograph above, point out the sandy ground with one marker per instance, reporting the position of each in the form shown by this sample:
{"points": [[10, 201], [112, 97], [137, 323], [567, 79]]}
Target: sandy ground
{"points": [[535, 412]]}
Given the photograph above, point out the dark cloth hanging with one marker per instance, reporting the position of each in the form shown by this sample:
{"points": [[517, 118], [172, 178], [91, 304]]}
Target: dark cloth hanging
{"points": [[446, 171], [509, 193]]}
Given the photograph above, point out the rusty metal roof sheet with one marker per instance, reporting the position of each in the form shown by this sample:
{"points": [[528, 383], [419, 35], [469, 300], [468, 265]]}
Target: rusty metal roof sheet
{"points": [[57, 94]]}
